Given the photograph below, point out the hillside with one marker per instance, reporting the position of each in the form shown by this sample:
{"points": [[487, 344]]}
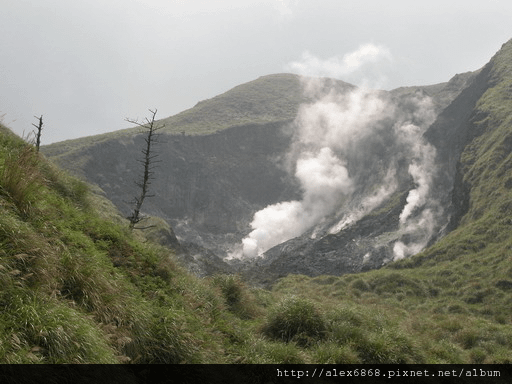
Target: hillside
{"points": [[78, 287], [408, 262], [210, 185], [371, 241], [483, 180], [268, 99]]}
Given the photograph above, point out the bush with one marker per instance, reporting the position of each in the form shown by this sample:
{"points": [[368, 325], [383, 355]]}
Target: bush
{"points": [[278, 353], [360, 285], [158, 339], [263, 351], [374, 338], [388, 347], [295, 319], [238, 300], [394, 283]]}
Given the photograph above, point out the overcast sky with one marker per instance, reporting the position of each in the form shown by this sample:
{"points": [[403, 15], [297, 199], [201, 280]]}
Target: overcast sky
{"points": [[87, 65]]}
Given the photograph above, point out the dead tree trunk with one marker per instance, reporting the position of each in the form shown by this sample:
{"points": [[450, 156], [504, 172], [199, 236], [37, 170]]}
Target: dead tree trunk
{"points": [[148, 162], [39, 129]]}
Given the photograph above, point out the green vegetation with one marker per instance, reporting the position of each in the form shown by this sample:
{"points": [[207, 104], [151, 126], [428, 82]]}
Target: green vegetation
{"points": [[295, 319], [267, 99], [264, 100], [76, 286], [79, 287]]}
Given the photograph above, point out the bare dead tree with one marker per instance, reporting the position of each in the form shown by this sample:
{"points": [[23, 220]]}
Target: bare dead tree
{"points": [[148, 161], [39, 129]]}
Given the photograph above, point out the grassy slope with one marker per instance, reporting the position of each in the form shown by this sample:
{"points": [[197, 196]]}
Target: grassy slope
{"points": [[264, 100], [76, 287]]}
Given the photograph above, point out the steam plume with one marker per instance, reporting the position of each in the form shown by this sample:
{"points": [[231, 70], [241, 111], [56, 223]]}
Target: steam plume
{"points": [[324, 131], [361, 64], [324, 179], [346, 148]]}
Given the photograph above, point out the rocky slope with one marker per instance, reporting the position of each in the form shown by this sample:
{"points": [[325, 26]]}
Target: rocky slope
{"points": [[476, 116], [231, 156]]}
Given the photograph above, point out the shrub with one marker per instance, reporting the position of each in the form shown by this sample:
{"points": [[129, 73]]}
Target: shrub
{"points": [[279, 353], [394, 283], [388, 347], [158, 339], [360, 285], [238, 300], [295, 319]]}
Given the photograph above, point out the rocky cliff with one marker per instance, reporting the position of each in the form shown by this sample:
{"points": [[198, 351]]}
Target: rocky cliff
{"points": [[208, 186]]}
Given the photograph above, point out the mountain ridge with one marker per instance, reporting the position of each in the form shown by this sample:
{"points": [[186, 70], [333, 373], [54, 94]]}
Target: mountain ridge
{"points": [[287, 94]]}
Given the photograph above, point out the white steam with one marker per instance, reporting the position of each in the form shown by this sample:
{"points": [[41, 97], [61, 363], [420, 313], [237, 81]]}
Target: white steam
{"points": [[325, 129], [365, 57], [342, 139], [368, 203], [421, 213], [421, 228], [324, 179]]}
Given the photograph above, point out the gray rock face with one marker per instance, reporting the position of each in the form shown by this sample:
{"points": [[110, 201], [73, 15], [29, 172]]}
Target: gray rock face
{"points": [[208, 187]]}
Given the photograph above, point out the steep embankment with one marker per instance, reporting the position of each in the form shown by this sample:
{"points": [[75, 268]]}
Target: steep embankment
{"points": [[206, 187], [371, 238], [472, 138]]}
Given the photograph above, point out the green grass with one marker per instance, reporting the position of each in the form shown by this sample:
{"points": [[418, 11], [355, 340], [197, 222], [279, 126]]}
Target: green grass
{"points": [[76, 286], [295, 319]]}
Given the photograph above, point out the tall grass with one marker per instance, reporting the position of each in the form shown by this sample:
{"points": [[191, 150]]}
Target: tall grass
{"points": [[237, 297], [20, 179], [295, 319]]}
